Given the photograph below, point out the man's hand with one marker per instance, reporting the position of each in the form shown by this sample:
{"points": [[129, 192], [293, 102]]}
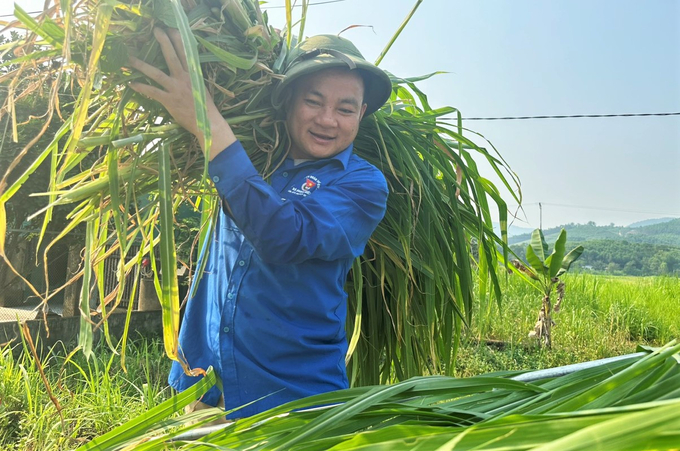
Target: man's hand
{"points": [[176, 94]]}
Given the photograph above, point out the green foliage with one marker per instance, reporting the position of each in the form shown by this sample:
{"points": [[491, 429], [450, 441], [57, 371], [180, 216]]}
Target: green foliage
{"points": [[607, 316], [628, 404], [624, 258], [94, 395]]}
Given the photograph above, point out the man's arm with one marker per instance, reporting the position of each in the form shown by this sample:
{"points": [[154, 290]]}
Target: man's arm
{"points": [[334, 222], [177, 96]]}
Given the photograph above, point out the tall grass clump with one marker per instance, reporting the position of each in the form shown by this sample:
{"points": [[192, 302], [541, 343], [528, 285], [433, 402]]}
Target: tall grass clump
{"points": [[90, 397], [413, 290]]}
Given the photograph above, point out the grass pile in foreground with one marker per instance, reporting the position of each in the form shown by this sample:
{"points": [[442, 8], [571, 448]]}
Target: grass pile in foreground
{"points": [[632, 404], [94, 396]]}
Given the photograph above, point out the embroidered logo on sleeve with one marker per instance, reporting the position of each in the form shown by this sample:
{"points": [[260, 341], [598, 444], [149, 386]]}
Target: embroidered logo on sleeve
{"points": [[310, 185]]}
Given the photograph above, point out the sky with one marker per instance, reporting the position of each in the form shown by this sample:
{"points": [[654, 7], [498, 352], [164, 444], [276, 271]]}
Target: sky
{"points": [[530, 58]]}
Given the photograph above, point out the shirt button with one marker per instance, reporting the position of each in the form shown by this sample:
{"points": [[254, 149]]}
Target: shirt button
{"points": [[230, 295], [241, 263], [285, 174], [226, 330], [216, 179]]}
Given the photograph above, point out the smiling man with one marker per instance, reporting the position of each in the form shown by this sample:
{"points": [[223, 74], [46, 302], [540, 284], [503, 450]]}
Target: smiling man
{"points": [[269, 311]]}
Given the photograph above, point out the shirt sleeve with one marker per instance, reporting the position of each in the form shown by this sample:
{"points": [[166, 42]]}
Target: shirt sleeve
{"points": [[334, 222]]}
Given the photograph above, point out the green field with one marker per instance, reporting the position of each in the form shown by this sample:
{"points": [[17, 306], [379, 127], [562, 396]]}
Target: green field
{"points": [[600, 317]]}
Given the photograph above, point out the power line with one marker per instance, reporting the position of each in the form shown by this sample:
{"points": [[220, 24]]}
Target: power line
{"points": [[565, 116], [602, 209]]}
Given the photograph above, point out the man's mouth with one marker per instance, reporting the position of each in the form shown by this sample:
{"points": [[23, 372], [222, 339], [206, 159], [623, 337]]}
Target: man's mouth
{"points": [[321, 136]]}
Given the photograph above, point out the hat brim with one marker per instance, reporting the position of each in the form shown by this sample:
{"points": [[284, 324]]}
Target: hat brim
{"points": [[377, 89]]}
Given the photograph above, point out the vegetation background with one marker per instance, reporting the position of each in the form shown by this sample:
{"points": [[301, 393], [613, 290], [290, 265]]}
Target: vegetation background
{"points": [[640, 249], [601, 317]]}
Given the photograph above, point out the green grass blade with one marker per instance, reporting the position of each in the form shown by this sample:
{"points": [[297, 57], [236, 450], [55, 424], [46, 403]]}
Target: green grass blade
{"points": [[170, 290], [48, 30], [85, 334], [132, 429], [398, 32], [195, 72], [101, 28], [289, 23], [232, 61]]}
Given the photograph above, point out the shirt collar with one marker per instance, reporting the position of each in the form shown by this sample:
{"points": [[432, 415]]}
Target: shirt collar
{"points": [[341, 157]]}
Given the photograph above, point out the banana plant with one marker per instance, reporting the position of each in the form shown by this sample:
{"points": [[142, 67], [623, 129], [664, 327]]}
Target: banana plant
{"points": [[546, 269]]}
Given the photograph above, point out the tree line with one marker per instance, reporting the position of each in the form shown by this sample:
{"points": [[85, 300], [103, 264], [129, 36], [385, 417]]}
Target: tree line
{"points": [[622, 257]]}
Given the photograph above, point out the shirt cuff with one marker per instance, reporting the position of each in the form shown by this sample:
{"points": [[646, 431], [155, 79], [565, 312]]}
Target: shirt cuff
{"points": [[230, 168]]}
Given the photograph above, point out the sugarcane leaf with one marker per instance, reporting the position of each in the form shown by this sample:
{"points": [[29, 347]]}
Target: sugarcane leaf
{"points": [[51, 148], [170, 290], [85, 333], [230, 59], [195, 73], [138, 425], [397, 33], [555, 260], [639, 430], [358, 290], [289, 23], [3, 227], [31, 56], [102, 22], [303, 19], [48, 30]]}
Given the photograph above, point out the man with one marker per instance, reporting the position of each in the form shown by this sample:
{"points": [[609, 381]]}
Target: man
{"points": [[269, 311]]}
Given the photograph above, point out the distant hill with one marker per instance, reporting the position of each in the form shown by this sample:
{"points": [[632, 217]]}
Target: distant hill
{"points": [[647, 222], [641, 250], [665, 233], [513, 230]]}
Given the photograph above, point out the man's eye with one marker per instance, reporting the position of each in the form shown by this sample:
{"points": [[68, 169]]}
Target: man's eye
{"points": [[312, 102], [346, 111]]}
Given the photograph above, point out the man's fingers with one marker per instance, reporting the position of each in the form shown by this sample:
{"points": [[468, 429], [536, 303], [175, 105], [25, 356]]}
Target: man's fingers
{"points": [[153, 73], [169, 52], [176, 39], [150, 91]]}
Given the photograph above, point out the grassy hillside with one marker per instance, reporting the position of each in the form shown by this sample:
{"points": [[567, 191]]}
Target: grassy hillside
{"points": [[666, 233], [634, 251]]}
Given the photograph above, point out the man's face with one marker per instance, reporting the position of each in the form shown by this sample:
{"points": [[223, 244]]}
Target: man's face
{"points": [[325, 112]]}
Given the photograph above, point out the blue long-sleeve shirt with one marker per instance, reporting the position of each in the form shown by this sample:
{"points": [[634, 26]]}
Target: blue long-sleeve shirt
{"points": [[269, 311]]}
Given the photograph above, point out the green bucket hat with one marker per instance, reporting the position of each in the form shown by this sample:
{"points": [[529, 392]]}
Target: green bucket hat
{"points": [[326, 51]]}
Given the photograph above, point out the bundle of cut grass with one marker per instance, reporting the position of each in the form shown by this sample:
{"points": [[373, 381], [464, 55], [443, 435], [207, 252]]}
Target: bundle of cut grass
{"points": [[628, 404], [413, 290]]}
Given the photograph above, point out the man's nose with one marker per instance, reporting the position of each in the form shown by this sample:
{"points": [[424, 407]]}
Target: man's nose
{"points": [[326, 117]]}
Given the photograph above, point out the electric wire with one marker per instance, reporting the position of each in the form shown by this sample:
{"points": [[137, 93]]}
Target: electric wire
{"points": [[563, 116]]}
